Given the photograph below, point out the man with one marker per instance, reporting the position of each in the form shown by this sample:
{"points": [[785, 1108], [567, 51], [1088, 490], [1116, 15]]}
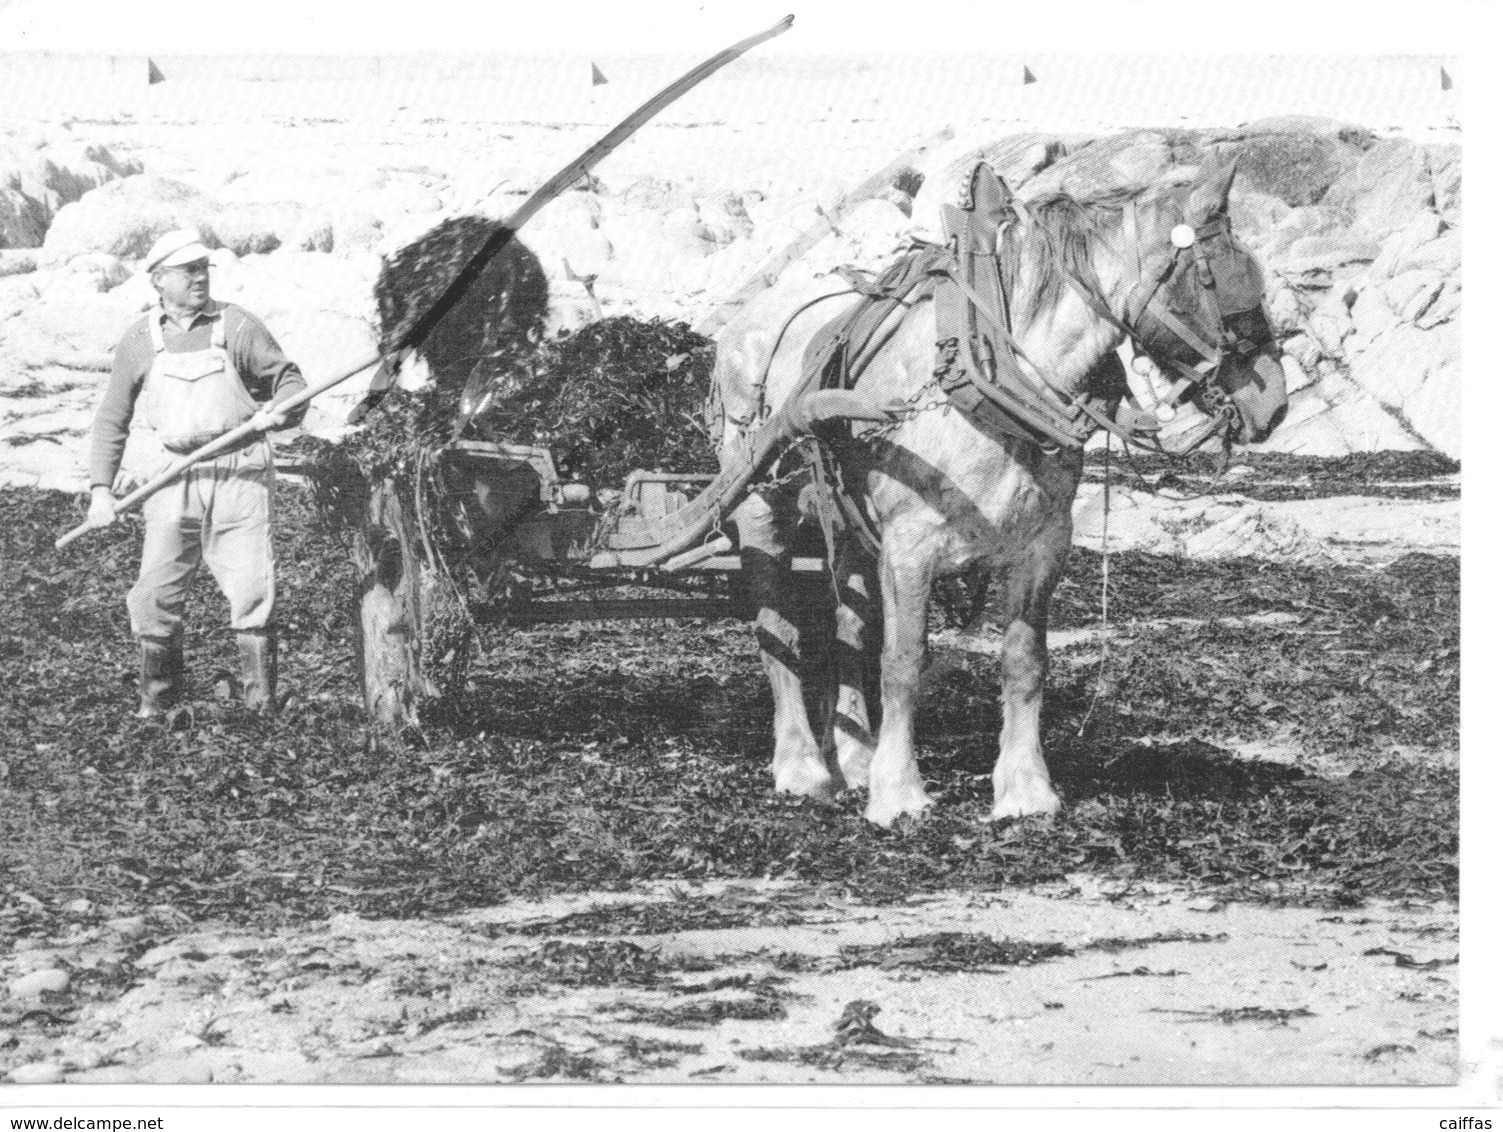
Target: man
{"points": [[197, 368]]}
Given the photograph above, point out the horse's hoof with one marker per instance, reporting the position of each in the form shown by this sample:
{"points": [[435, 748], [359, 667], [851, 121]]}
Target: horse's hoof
{"points": [[1025, 803], [806, 783], [885, 812]]}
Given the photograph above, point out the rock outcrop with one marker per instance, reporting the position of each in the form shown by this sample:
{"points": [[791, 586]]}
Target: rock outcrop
{"points": [[40, 173]]}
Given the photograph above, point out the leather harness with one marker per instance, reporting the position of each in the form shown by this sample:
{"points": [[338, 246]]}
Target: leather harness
{"points": [[981, 369]]}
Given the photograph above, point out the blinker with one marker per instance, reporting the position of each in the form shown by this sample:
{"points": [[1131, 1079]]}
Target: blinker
{"points": [[1182, 236]]}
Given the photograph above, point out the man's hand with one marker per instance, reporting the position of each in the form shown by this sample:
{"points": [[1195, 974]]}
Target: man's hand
{"points": [[268, 420], [101, 507]]}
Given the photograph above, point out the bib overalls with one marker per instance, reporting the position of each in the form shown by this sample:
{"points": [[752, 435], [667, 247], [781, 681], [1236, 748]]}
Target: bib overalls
{"points": [[218, 511]]}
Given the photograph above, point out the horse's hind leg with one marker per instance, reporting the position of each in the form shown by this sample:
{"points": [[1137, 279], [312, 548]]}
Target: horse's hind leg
{"points": [[1020, 779], [856, 620], [894, 784], [798, 765]]}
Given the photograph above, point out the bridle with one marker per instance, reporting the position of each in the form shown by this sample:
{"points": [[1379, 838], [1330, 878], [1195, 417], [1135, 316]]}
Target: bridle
{"points": [[1147, 317]]}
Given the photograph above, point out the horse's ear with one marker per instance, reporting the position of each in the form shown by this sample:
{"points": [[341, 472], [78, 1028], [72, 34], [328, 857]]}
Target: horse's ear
{"points": [[1208, 198]]}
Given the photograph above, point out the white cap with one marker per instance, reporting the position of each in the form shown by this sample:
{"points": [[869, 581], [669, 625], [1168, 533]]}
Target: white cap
{"points": [[185, 245]]}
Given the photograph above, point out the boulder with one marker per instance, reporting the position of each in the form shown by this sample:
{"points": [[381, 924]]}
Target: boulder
{"points": [[284, 282], [1411, 293], [1358, 137], [570, 240], [654, 194], [1297, 223], [73, 329], [321, 188], [1296, 166], [1136, 521], [1329, 323], [1416, 372], [724, 217], [1444, 162], [124, 218], [353, 232], [1257, 217], [37, 1073], [578, 209], [1371, 316], [1447, 306], [1125, 162], [393, 195], [1255, 532], [1399, 246], [684, 234], [1433, 410], [1387, 187], [1442, 254], [1287, 306], [731, 267], [49, 980], [1305, 350], [23, 223], [1336, 418], [93, 273], [324, 343], [581, 254], [1327, 254], [16, 293], [17, 261], [255, 227]]}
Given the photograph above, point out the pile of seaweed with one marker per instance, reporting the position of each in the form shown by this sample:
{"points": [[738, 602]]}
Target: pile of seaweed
{"points": [[619, 394]]}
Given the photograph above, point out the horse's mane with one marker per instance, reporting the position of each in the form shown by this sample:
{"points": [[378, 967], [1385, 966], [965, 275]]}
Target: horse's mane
{"points": [[1068, 224]]}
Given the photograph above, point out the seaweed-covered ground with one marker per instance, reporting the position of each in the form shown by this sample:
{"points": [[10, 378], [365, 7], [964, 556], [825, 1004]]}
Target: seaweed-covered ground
{"points": [[1246, 743], [1274, 476]]}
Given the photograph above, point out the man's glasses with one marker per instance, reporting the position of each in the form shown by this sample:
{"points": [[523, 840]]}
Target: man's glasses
{"points": [[190, 269]]}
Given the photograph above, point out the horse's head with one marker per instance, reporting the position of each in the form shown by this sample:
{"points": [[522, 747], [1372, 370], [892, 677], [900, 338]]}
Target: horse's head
{"points": [[1197, 308]]}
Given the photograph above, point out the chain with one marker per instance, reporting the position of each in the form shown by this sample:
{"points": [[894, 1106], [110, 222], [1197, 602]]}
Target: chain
{"points": [[909, 408]]}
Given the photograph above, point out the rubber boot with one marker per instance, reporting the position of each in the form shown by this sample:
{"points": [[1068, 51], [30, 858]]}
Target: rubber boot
{"points": [[161, 675], [258, 669]]}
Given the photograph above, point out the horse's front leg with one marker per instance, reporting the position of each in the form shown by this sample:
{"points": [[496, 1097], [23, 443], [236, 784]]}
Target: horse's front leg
{"points": [[894, 785], [798, 766], [856, 619], [1020, 779]]}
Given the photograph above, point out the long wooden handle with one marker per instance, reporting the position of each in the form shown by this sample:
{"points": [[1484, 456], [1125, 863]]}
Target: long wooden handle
{"points": [[216, 446]]}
